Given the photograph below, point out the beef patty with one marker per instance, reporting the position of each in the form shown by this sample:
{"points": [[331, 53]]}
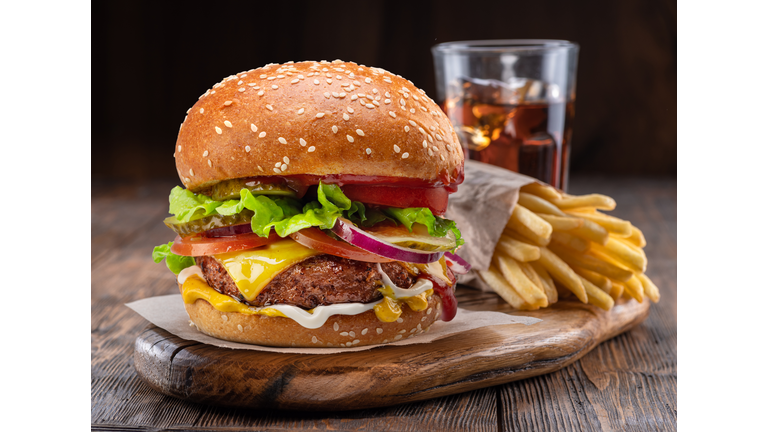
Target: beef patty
{"points": [[317, 281]]}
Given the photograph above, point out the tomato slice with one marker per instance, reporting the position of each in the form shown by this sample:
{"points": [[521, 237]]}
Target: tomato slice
{"points": [[434, 198], [315, 239], [197, 245]]}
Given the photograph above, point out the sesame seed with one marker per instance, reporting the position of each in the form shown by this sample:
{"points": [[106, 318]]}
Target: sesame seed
{"points": [[262, 76], [227, 123], [254, 127], [260, 168], [405, 155], [311, 149], [387, 80], [314, 339], [392, 114], [209, 163], [435, 148], [270, 78], [277, 170], [430, 138], [247, 149], [439, 138], [429, 151], [367, 80], [429, 311], [282, 140], [277, 165], [423, 109], [413, 123], [415, 97], [350, 139], [348, 344], [329, 81], [269, 107], [202, 110], [251, 84], [365, 330], [302, 142], [241, 89], [379, 331], [218, 130], [317, 82], [368, 151], [369, 97], [353, 97], [398, 337], [352, 334], [442, 158], [345, 116], [387, 101], [294, 81], [320, 115], [334, 94], [448, 146], [179, 149], [412, 110], [351, 110], [424, 144], [260, 93], [362, 95], [423, 131], [344, 334], [402, 101], [362, 102], [360, 132], [227, 103], [335, 129], [397, 149], [327, 95], [192, 173], [286, 160], [335, 326], [274, 87], [407, 129], [283, 167], [224, 317], [301, 110], [342, 94], [281, 76], [262, 135], [205, 153]]}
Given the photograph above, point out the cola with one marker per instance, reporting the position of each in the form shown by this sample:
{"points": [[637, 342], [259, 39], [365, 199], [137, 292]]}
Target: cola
{"points": [[523, 125]]}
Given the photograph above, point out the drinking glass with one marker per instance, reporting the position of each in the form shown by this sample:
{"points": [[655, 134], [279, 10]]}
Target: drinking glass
{"points": [[511, 102]]}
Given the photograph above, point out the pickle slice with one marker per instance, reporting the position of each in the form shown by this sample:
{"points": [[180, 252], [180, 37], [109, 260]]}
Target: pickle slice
{"points": [[419, 238], [230, 189], [207, 223]]}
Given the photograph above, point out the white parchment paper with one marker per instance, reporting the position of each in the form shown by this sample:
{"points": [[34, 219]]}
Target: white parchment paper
{"points": [[167, 312]]}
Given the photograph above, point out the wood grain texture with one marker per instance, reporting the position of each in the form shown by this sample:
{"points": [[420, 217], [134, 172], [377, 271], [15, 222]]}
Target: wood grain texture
{"points": [[626, 383], [383, 376]]}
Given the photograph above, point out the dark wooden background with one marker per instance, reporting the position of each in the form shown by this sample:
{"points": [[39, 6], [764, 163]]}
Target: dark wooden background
{"points": [[628, 383], [151, 60]]}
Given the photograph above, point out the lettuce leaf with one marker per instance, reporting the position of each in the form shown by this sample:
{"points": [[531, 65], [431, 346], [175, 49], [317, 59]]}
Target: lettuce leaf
{"points": [[175, 263], [436, 226], [286, 215]]}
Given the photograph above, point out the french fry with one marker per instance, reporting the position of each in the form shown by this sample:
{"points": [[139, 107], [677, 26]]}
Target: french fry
{"points": [[527, 290], [619, 227], [577, 244], [634, 288], [590, 262], [636, 238], [597, 279], [600, 202], [561, 272], [591, 231], [560, 223], [495, 280], [529, 225], [546, 280], [617, 289], [529, 271], [538, 205], [650, 288], [541, 190], [621, 253], [518, 250], [597, 296]]}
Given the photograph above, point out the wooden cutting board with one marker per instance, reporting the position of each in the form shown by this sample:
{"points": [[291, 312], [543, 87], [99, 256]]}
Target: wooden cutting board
{"points": [[383, 376]]}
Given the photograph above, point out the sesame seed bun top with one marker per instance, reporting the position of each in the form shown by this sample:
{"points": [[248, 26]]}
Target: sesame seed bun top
{"points": [[315, 118]]}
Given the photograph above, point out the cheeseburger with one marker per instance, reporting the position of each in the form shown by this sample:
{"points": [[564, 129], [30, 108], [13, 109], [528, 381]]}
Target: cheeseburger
{"points": [[312, 208]]}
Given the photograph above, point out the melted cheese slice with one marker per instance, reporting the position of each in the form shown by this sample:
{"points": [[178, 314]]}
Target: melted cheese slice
{"points": [[253, 269]]}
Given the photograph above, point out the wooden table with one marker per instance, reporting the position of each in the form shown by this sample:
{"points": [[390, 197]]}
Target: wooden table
{"points": [[628, 383]]}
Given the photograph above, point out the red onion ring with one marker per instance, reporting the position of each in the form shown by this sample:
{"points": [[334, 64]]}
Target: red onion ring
{"points": [[355, 236], [457, 264]]}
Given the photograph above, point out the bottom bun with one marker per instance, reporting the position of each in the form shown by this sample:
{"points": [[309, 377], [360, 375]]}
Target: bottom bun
{"points": [[338, 331]]}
